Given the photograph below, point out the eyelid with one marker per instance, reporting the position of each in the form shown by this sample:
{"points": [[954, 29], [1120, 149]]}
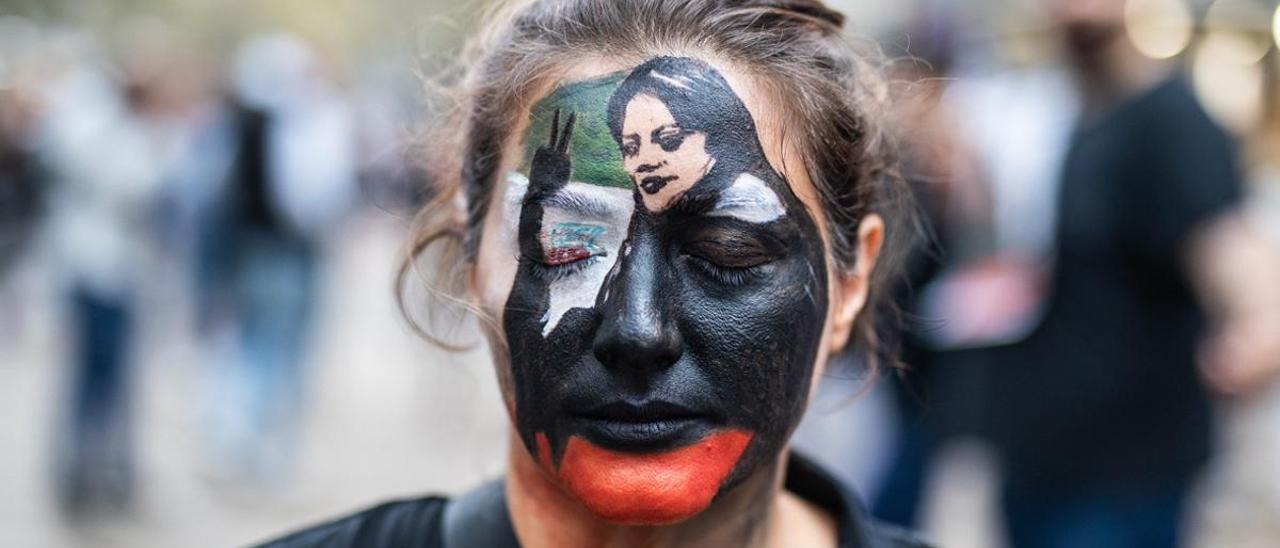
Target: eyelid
{"points": [[561, 271], [666, 131], [728, 275], [747, 256], [568, 243]]}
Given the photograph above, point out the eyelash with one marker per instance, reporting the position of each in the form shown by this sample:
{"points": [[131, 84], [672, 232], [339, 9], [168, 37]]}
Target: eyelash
{"points": [[730, 276], [551, 273]]}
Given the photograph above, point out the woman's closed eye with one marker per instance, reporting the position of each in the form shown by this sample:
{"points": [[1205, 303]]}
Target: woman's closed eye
{"points": [[730, 258], [565, 264], [568, 248]]}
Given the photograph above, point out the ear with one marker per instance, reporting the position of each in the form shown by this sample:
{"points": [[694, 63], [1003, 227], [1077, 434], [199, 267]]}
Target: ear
{"points": [[851, 286]]}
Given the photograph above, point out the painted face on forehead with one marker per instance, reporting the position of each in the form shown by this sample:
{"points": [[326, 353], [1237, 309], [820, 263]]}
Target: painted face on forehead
{"points": [[670, 296]]}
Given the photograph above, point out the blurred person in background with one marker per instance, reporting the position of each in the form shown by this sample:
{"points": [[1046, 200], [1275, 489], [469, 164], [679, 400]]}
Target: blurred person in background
{"points": [[289, 177], [1240, 503], [105, 143], [21, 188], [932, 155], [1240, 360], [983, 142], [1099, 412]]}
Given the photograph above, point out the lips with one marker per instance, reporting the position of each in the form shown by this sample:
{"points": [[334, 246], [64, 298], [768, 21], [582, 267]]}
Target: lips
{"points": [[646, 488], [642, 426], [653, 183]]}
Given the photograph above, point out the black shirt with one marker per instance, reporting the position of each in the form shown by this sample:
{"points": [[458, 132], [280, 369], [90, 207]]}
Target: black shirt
{"points": [[1105, 390], [480, 518]]}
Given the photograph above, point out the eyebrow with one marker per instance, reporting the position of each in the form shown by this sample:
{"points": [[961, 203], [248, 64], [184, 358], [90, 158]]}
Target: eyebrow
{"points": [[583, 200]]}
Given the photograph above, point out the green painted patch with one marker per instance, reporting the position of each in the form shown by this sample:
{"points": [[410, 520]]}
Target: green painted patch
{"points": [[592, 150]]}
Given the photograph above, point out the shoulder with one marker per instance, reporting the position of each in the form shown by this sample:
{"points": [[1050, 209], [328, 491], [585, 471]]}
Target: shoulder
{"points": [[882, 535], [855, 529], [415, 522]]}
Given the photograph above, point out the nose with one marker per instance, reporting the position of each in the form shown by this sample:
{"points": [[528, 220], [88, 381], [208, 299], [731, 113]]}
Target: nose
{"points": [[638, 333], [649, 168]]}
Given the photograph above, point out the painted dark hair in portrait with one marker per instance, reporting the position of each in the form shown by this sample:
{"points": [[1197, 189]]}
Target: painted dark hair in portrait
{"points": [[700, 100]]}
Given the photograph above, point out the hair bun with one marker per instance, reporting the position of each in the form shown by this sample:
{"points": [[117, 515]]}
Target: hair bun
{"points": [[812, 9]]}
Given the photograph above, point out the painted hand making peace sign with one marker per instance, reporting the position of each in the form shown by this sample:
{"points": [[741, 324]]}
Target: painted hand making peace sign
{"points": [[551, 166]]}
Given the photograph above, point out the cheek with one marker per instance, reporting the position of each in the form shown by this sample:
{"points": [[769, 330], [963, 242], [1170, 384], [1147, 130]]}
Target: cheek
{"points": [[497, 256], [494, 274], [651, 154], [761, 344], [692, 156]]}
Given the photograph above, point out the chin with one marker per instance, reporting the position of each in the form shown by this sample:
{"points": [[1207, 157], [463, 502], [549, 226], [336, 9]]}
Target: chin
{"points": [[646, 488]]}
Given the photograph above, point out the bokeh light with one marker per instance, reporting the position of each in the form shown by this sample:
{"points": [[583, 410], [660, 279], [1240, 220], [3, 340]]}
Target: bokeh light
{"points": [[1231, 91], [1238, 29], [1275, 26], [1160, 29]]}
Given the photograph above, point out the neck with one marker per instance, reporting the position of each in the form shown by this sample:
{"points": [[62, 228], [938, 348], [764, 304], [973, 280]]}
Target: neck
{"points": [[544, 515]]}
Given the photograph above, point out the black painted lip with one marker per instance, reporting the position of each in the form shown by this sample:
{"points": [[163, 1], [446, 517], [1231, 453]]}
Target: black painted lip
{"points": [[648, 411], [640, 427], [653, 183]]}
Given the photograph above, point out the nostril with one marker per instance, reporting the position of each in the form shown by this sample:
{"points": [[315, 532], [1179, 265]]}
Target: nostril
{"points": [[638, 347]]}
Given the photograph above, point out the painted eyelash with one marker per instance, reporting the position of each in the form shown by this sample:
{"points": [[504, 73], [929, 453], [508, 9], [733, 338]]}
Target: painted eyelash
{"points": [[730, 276], [551, 273]]}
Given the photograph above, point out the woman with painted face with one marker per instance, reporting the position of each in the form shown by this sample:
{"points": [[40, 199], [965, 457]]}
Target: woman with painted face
{"points": [[668, 232]]}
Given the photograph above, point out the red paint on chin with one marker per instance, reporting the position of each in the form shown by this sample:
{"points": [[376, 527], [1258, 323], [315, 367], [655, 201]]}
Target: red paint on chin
{"points": [[647, 488], [544, 450]]}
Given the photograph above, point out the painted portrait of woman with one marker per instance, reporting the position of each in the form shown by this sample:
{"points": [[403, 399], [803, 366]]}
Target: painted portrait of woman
{"points": [[677, 122]]}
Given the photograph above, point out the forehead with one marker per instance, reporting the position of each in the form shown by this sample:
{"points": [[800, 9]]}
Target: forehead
{"points": [[646, 109], [584, 87]]}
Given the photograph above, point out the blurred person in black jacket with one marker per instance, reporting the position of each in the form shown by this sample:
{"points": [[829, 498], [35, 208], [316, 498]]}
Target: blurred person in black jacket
{"points": [[289, 135], [1099, 412]]}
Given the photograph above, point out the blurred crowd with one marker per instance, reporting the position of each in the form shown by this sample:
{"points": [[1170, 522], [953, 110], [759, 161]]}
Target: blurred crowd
{"points": [[121, 158], [1097, 300], [1100, 301]]}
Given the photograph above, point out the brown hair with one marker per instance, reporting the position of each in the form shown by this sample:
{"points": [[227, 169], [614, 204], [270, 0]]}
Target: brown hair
{"points": [[834, 96]]}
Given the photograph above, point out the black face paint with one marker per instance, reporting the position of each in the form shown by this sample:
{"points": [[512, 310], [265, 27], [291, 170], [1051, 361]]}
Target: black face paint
{"points": [[655, 372]]}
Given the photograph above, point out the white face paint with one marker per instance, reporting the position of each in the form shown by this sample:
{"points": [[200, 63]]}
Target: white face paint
{"points": [[749, 199], [580, 218], [517, 186]]}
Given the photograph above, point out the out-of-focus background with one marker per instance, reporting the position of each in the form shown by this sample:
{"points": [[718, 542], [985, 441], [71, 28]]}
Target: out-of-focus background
{"points": [[203, 204]]}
